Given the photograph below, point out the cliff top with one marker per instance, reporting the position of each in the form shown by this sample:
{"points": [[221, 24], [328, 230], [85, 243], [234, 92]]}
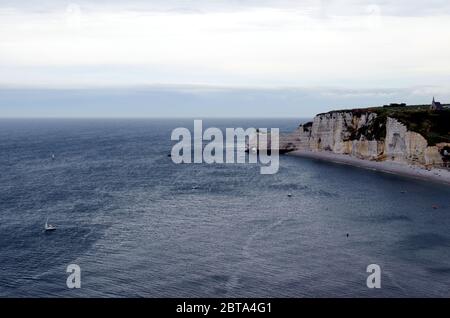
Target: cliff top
{"points": [[434, 126]]}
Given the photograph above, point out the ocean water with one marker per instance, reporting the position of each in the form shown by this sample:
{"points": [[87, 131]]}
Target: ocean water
{"points": [[139, 225]]}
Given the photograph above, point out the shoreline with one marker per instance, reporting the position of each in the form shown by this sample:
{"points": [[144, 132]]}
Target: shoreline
{"points": [[436, 175]]}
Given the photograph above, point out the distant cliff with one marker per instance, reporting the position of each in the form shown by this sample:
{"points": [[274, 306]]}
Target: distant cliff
{"points": [[413, 134]]}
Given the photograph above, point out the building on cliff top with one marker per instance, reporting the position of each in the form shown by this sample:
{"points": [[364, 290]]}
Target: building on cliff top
{"points": [[436, 105]]}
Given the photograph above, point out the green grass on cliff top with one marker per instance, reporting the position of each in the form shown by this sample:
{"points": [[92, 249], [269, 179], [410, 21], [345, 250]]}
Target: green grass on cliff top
{"points": [[434, 126]]}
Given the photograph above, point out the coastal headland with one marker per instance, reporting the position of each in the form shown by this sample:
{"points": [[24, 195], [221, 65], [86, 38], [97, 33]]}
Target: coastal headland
{"points": [[406, 140]]}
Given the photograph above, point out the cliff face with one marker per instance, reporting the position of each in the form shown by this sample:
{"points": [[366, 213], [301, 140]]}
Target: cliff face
{"points": [[367, 136]]}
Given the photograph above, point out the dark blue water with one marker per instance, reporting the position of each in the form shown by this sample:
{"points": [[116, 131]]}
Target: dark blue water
{"points": [[139, 225]]}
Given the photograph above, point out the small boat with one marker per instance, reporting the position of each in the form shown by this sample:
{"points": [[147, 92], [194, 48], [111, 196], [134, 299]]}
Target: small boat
{"points": [[49, 227], [289, 195], [53, 156]]}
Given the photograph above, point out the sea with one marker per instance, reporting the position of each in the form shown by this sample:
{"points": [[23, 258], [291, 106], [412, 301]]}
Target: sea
{"points": [[139, 225]]}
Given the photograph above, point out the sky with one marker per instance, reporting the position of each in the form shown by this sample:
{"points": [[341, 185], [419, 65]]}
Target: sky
{"points": [[247, 58]]}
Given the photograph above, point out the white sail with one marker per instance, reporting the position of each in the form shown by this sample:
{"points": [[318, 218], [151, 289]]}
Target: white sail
{"points": [[49, 227]]}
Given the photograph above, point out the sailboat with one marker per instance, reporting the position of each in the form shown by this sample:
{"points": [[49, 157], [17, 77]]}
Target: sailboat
{"points": [[49, 227]]}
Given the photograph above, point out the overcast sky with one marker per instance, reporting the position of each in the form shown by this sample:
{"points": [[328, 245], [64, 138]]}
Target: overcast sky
{"points": [[397, 49]]}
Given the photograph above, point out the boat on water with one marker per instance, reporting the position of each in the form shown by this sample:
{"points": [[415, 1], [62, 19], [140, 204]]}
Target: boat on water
{"points": [[49, 227]]}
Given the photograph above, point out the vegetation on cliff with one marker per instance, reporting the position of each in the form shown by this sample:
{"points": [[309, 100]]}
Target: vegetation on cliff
{"points": [[434, 126], [375, 130]]}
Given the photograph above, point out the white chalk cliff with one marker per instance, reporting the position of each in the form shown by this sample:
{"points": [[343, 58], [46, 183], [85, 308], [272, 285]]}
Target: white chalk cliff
{"points": [[366, 136]]}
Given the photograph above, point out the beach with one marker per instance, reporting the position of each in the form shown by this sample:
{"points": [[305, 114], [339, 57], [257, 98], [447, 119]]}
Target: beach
{"points": [[435, 175]]}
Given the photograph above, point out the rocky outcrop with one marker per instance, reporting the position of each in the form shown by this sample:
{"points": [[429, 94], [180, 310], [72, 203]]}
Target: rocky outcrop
{"points": [[365, 135]]}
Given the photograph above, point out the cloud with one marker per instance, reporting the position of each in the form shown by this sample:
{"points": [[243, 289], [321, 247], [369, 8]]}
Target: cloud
{"points": [[316, 7], [259, 46], [234, 58], [264, 43]]}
